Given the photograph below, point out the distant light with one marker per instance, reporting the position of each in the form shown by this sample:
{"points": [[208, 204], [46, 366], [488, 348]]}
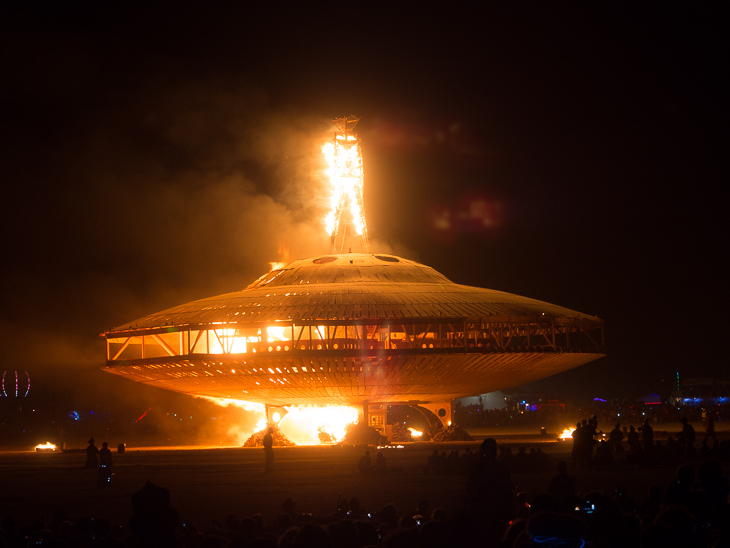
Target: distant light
{"points": [[599, 399]]}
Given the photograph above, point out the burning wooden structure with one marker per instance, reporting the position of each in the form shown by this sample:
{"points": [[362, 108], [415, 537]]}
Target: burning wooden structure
{"points": [[353, 329]]}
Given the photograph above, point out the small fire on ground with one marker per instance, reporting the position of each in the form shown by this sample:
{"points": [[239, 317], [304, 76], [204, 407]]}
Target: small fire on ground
{"points": [[567, 434], [47, 447]]}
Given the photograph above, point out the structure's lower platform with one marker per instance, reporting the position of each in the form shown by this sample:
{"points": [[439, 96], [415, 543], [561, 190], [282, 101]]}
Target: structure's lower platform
{"points": [[321, 380]]}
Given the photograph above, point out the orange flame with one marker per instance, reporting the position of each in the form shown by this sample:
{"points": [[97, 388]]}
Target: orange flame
{"points": [[567, 434], [346, 179], [239, 432], [302, 425]]}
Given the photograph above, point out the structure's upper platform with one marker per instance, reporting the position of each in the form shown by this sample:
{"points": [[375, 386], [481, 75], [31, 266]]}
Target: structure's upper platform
{"points": [[351, 268], [354, 287]]}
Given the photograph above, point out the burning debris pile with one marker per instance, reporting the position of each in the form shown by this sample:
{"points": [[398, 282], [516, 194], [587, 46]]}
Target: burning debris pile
{"points": [[361, 434], [401, 433], [324, 436], [47, 447], [452, 433], [280, 440]]}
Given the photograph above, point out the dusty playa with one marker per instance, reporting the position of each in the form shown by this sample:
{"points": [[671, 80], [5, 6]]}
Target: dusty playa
{"points": [[210, 483]]}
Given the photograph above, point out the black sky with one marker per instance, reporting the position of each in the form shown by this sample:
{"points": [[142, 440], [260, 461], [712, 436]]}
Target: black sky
{"points": [[154, 155]]}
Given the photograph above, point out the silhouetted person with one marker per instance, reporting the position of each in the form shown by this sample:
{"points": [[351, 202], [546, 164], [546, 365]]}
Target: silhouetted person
{"points": [[633, 439], [562, 487], [710, 426], [687, 438], [489, 492], [590, 434], [616, 437], [92, 455], [355, 511], [647, 436], [105, 465], [433, 462], [105, 455], [604, 455], [365, 465], [520, 461], [269, 449], [577, 445], [389, 519], [652, 504], [154, 520], [442, 466], [380, 467]]}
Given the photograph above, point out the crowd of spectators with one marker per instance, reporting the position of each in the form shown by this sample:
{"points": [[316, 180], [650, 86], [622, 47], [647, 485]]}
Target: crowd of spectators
{"points": [[454, 462], [691, 511], [607, 412]]}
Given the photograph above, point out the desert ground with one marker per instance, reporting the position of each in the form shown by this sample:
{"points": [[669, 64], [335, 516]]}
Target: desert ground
{"points": [[211, 483]]}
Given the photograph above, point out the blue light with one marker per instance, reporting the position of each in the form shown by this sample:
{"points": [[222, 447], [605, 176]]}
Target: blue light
{"points": [[74, 415]]}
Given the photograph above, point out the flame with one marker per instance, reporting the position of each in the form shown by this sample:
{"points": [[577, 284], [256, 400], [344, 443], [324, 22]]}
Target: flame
{"points": [[48, 446], [303, 425], [346, 179], [277, 333], [239, 432], [567, 433], [277, 266], [415, 433]]}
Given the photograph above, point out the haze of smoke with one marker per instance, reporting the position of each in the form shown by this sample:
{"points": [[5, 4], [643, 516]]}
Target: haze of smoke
{"points": [[178, 190]]}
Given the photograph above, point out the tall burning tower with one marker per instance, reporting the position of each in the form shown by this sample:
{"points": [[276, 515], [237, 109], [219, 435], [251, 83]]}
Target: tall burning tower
{"points": [[344, 157]]}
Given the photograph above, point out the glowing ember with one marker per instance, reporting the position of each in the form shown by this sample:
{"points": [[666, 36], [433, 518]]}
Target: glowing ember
{"points": [[567, 434], [346, 178], [45, 447], [415, 433], [314, 425]]}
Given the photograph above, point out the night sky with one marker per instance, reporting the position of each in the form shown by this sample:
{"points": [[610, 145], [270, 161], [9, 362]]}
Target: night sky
{"points": [[573, 154]]}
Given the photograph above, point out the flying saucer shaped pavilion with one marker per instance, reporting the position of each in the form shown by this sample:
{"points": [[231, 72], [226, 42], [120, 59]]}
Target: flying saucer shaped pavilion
{"points": [[353, 329]]}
